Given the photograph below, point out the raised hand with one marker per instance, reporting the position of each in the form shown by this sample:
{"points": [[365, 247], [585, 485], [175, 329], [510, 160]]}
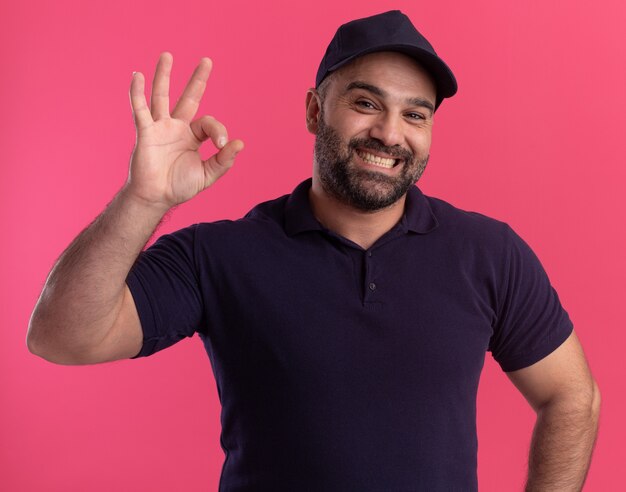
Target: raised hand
{"points": [[166, 168]]}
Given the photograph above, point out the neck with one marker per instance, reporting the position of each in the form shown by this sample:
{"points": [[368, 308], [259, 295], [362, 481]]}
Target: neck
{"points": [[362, 228]]}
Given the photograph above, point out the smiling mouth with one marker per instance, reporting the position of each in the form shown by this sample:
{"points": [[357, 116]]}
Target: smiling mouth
{"points": [[375, 160]]}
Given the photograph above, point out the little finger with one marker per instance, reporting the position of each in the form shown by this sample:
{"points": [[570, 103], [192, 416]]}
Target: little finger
{"points": [[138, 102]]}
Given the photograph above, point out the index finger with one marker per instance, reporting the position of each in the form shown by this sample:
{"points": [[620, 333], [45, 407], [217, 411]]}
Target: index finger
{"points": [[187, 105]]}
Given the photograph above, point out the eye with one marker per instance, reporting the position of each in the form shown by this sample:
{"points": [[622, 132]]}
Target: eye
{"points": [[415, 116], [364, 103]]}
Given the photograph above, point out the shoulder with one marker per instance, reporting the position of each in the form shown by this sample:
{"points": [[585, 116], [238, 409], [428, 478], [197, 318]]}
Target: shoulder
{"points": [[478, 240], [469, 226], [265, 219], [263, 224]]}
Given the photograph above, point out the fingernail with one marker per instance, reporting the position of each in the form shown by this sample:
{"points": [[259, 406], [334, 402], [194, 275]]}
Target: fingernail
{"points": [[221, 142]]}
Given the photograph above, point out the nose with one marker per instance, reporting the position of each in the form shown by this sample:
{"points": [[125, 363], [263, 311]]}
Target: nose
{"points": [[388, 129]]}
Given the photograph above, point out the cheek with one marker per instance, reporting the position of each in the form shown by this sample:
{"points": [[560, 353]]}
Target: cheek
{"points": [[350, 124], [421, 143]]}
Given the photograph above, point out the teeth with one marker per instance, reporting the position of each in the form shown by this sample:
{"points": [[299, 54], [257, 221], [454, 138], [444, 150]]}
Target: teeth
{"points": [[377, 161]]}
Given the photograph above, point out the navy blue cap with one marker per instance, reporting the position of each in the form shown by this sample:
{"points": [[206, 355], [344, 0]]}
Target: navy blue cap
{"points": [[389, 31]]}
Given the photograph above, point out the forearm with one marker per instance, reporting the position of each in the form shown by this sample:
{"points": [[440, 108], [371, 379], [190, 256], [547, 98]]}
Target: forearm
{"points": [[84, 291], [562, 445]]}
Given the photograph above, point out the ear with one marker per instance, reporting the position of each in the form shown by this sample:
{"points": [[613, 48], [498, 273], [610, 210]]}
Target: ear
{"points": [[313, 107]]}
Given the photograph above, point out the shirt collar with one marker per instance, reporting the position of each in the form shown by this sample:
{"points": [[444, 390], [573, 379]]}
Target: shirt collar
{"points": [[418, 215]]}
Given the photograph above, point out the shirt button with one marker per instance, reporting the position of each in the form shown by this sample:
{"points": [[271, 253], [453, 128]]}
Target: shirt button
{"points": [[372, 286], [369, 253]]}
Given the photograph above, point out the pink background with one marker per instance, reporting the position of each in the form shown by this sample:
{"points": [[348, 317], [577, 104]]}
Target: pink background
{"points": [[534, 137]]}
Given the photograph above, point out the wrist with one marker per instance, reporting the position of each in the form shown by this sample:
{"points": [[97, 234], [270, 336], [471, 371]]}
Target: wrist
{"points": [[134, 202]]}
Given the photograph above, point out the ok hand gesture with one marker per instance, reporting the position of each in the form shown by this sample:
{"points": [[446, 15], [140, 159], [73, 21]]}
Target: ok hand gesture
{"points": [[166, 168]]}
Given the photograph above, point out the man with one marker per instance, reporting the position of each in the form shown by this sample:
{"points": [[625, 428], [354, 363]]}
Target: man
{"points": [[346, 323]]}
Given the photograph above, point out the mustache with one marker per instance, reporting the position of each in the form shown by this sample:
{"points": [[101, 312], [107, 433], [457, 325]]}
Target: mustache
{"points": [[395, 151]]}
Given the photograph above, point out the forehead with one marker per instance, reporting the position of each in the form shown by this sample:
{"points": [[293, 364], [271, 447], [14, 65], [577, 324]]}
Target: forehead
{"points": [[389, 70]]}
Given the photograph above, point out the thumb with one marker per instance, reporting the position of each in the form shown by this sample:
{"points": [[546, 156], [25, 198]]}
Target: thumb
{"points": [[217, 165]]}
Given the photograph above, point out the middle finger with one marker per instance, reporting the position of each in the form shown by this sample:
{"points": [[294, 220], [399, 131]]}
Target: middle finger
{"points": [[187, 105]]}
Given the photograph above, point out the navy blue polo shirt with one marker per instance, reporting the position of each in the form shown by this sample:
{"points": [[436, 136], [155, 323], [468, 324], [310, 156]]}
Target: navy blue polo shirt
{"points": [[340, 368]]}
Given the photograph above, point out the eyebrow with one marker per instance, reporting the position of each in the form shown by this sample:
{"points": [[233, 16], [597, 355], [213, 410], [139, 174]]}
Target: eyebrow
{"points": [[413, 101]]}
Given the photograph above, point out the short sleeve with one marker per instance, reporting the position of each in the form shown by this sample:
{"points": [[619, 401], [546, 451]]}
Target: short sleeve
{"points": [[164, 285], [531, 322]]}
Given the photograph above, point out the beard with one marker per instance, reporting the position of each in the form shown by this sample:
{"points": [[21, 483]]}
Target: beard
{"points": [[364, 189]]}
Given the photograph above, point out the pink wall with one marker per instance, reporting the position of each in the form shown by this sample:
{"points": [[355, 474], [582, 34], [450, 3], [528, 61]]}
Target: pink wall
{"points": [[534, 137]]}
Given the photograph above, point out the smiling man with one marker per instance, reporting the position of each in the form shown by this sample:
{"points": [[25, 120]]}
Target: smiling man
{"points": [[347, 322], [372, 142]]}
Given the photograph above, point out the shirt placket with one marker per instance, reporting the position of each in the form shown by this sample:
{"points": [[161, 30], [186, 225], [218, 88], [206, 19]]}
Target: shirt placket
{"points": [[370, 287]]}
